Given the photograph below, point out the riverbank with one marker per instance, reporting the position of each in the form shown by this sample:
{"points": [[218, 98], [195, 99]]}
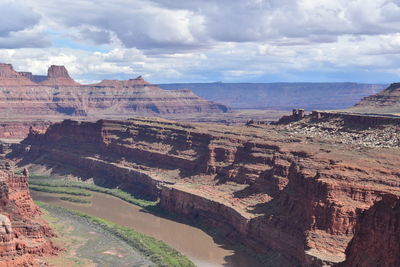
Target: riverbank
{"points": [[147, 251], [48, 184], [203, 249], [85, 244], [55, 185]]}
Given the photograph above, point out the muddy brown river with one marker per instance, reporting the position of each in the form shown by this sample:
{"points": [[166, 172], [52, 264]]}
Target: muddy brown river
{"points": [[197, 245]]}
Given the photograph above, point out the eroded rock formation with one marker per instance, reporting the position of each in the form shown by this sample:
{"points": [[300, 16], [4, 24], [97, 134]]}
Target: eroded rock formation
{"points": [[9, 77], [386, 101], [58, 95], [58, 76], [376, 241], [24, 236], [20, 129], [33, 78], [28, 100], [270, 188]]}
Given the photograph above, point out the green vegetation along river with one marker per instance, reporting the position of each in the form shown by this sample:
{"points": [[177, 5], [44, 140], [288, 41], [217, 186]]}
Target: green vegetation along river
{"points": [[198, 246], [87, 244]]}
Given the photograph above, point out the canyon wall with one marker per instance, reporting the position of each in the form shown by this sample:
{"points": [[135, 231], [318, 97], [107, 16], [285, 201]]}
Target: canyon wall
{"points": [[24, 236], [28, 100], [297, 194], [386, 101], [376, 241], [58, 95], [274, 190], [57, 76], [9, 77], [20, 129]]}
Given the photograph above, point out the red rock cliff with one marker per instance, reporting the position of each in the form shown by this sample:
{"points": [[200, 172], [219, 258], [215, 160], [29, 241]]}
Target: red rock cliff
{"points": [[376, 241], [386, 101], [20, 129], [33, 78], [58, 76], [23, 235], [270, 189], [9, 77], [60, 96]]}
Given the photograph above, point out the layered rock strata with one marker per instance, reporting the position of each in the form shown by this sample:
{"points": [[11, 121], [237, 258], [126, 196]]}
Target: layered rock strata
{"points": [[58, 76], [376, 241], [33, 78], [58, 95], [20, 129], [24, 236], [273, 190], [386, 101], [9, 77]]}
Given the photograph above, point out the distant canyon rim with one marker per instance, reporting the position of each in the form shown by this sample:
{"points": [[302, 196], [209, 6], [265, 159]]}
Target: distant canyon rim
{"points": [[39, 100]]}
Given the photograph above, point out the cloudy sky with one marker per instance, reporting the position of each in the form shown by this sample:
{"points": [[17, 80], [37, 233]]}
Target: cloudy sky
{"points": [[205, 40]]}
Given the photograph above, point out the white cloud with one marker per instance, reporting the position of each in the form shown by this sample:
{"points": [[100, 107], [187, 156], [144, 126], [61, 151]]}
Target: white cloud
{"points": [[137, 23], [122, 55], [19, 26], [16, 17], [198, 40]]}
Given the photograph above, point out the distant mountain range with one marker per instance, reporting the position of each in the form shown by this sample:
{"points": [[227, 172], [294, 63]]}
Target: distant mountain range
{"points": [[281, 96]]}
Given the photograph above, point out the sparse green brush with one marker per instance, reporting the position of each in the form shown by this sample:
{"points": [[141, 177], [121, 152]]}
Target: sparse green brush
{"points": [[37, 176], [59, 190], [159, 253], [44, 181], [76, 200]]}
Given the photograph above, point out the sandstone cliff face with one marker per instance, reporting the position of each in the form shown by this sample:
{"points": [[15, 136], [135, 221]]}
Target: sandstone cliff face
{"points": [[386, 101], [271, 189], [59, 95], [9, 77], [33, 78], [376, 241], [137, 82], [20, 129], [23, 235], [58, 76]]}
